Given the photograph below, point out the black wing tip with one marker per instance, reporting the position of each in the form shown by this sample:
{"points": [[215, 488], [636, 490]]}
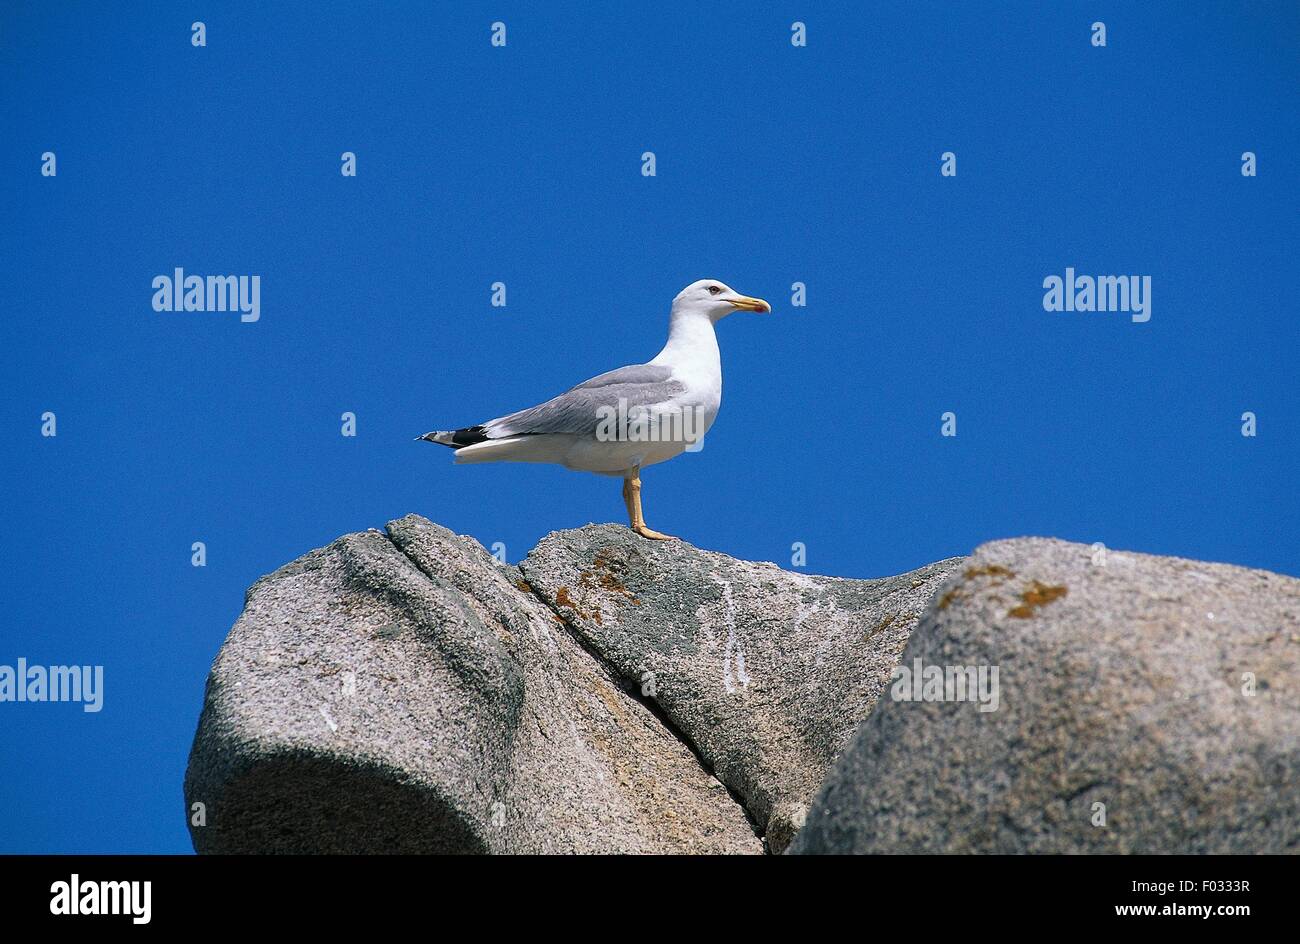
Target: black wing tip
{"points": [[468, 436], [457, 439]]}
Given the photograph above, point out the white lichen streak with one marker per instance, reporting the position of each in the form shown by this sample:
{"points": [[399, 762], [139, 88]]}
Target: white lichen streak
{"points": [[732, 651]]}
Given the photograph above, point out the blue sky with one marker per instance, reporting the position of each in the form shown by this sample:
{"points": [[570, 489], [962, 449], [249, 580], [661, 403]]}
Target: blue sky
{"points": [[521, 164]]}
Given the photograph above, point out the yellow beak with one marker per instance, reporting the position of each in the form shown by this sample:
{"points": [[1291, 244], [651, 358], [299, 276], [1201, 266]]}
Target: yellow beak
{"points": [[745, 303]]}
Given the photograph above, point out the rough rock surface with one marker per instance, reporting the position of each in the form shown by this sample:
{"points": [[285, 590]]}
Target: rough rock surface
{"points": [[403, 692], [766, 672], [1125, 685]]}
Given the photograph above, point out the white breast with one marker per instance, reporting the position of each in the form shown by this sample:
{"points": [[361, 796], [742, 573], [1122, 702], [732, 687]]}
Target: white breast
{"points": [[692, 353]]}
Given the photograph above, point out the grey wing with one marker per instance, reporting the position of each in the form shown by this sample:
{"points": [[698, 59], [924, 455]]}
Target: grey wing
{"points": [[578, 411]]}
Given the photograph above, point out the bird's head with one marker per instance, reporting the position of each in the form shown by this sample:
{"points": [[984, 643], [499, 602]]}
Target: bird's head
{"points": [[715, 300]]}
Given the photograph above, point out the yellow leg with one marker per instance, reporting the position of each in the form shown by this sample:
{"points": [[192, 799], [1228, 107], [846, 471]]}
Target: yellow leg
{"points": [[632, 498]]}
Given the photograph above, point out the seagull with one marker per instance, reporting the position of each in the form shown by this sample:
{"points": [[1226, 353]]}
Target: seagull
{"points": [[625, 419]]}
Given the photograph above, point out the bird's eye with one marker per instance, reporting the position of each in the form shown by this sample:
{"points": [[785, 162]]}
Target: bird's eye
{"points": [[714, 289]]}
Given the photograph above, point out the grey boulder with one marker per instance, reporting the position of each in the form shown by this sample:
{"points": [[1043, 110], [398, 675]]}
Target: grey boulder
{"points": [[1145, 705], [766, 672], [404, 692]]}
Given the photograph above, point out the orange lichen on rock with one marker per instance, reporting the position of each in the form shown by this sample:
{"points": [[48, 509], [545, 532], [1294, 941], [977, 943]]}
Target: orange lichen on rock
{"points": [[1037, 596], [996, 571], [562, 598], [606, 578]]}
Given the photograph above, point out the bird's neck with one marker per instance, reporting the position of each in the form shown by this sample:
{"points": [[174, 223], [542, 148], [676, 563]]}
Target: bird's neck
{"points": [[692, 344]]}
